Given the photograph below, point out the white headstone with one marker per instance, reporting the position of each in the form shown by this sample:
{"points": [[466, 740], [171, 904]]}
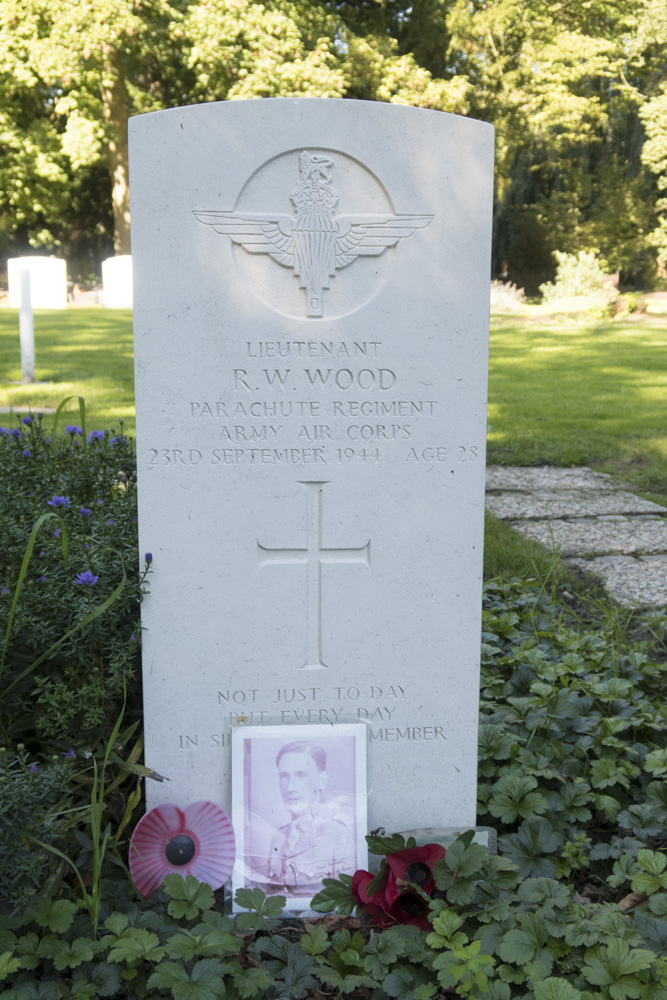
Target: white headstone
{"points": [[311, 328], [117, 282], [48, 281]]}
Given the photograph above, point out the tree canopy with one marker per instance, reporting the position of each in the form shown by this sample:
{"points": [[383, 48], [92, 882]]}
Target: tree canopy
{"points": [[576, 90]]}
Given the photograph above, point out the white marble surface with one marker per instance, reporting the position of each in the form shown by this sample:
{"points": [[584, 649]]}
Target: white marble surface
{"points": [[48, 282], [312, 458], [117, 282]]}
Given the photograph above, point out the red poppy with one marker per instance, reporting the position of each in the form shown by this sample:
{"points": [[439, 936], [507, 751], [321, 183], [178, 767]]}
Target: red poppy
{"points": [[395, 900], [197, 840]]}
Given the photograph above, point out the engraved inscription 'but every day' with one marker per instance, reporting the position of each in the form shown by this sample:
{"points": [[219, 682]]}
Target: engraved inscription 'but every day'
{"points": [[314, 242]]}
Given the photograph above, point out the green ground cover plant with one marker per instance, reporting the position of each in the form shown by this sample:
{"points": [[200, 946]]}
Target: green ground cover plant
{"points": [[573, 758]]}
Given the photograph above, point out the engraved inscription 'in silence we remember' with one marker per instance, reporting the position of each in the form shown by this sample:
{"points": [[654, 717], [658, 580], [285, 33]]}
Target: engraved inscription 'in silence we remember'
{"points": [[314, 242]]}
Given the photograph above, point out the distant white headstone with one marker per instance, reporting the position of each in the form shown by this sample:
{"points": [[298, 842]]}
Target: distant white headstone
{"points": [[117, 282], [48, 281], [311, 328]]}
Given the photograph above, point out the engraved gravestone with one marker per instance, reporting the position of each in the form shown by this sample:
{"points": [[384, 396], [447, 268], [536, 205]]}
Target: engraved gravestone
{"points": [[311, 327]]}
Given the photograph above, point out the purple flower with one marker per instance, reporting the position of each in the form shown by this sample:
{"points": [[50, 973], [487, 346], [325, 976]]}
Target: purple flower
{"points": [[15, 432], [85, 512], [27, 421], [96, 436], [4, 590], [133, 638], [148, 556], [47, 440], [110, 523], [43, 579], [26, 453], [98, 502], [34, 768], [112, 441], [85, 546], [56, 533], [70, 754], [3, 430], [86, 578], [73, 429], [59, 502]]}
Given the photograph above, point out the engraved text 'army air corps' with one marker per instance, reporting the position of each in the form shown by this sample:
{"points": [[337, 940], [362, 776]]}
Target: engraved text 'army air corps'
{"points": [[314, 242]]}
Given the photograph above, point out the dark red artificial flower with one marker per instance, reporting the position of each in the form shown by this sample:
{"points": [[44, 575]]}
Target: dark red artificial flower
{"points": [[395, 900]]}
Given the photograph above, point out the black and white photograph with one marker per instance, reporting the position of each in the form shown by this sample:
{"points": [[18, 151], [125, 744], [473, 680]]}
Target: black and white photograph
{"points": [[298, 807]]}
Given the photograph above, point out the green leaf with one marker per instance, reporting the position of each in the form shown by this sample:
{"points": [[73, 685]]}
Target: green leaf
{"points": [[544, 890], [189, 896], [254, 900], [294, 969], [513, 798], [82, 990], [534, 838], [425, 991], [167, 975], [56, 916], [382, 951], [250, 982], [336, 894], [105, 978], [343, 982], [554, 988], [517, 947], [387, 845], [206, 982], [400, 984], [135, 945], [609, 965], [315, 943], [216, 943], [117, 923], [183, 945], [445, 925], [8, 964], [465, 859]]}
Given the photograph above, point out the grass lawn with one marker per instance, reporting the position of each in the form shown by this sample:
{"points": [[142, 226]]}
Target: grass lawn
{"points": [[567, 393], [86, 352], [562, 392]]}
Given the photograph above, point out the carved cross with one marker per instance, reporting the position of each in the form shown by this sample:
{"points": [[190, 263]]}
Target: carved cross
{"points": [[314, 556]]}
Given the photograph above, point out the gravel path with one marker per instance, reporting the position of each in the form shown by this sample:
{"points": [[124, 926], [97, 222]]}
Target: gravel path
{"points": [[592, 521]]}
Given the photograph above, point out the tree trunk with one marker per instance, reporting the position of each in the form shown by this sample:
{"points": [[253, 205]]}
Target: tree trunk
{"points": [[116, 114]]}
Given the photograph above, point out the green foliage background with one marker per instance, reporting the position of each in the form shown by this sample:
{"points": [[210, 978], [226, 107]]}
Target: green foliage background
{"points": [[575, 90]]}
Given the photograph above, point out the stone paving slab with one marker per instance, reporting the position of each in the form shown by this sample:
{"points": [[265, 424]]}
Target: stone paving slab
{"points": [[633, 582], [575, 503], [583, 536], [583, 512], [546, 478]]}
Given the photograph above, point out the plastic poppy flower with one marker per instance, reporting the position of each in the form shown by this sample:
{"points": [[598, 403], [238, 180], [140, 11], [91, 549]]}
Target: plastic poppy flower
{"points": [[395, 900], [198, 840]]}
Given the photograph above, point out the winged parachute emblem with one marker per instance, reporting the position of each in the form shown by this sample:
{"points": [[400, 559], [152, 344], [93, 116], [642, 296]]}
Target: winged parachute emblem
{"points": [[314, 242]]}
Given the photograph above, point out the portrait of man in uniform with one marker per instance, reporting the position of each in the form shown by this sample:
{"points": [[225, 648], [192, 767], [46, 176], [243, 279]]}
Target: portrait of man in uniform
{"points": [[304, 805]]}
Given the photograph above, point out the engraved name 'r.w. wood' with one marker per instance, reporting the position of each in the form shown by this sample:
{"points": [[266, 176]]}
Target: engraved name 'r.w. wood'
{"points": [[314, 242]]}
